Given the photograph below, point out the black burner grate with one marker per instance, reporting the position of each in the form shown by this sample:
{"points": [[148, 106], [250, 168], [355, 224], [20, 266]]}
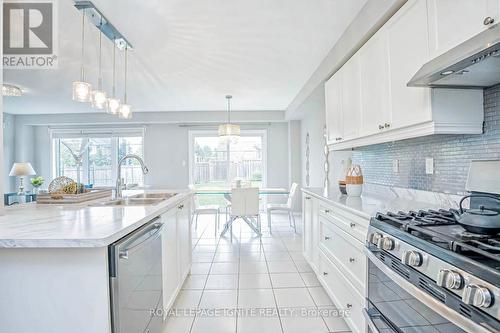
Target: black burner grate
{"points": [[440, 227]]}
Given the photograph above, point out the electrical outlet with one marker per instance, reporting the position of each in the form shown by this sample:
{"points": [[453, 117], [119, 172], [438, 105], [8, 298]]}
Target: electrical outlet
{"points": [[429, 165], [395, 166]]}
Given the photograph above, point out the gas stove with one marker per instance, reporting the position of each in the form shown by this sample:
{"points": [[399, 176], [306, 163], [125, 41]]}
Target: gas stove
{"points": [[427, 273]]}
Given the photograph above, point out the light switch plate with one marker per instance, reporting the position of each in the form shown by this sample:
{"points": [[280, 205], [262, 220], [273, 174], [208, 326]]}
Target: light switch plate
{"points": [[395, 166], [429, 165]]}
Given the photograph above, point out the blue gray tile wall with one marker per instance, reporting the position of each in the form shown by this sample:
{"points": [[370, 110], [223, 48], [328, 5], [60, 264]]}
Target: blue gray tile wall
{"points": [[451, 153]]}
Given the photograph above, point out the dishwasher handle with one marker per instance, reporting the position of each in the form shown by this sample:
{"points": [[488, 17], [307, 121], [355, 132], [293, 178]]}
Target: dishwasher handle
{"points": [[133, 244]]}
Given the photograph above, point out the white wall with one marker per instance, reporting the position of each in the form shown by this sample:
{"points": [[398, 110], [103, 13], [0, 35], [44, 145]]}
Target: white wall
{"points": [[8, 151], [165, 148]]}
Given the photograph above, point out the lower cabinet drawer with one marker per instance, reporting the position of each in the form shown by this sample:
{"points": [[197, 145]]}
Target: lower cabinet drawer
{"points": [[342, 294], [355, 226], [346, 252]]}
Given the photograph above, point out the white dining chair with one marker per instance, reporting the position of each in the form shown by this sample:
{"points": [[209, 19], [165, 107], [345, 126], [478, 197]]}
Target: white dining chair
{"points": [[244, 205], [204, 210], [286, 207]]}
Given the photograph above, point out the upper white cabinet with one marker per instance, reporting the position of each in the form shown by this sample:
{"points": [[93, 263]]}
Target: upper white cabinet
{"points": [[333, 102], [408, 51], [375, 92], [368, 101], [454, 21], [351, 98]]}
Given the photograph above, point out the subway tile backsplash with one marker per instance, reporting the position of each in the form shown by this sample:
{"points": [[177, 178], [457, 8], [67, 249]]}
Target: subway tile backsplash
{"points": [[451, 153]]}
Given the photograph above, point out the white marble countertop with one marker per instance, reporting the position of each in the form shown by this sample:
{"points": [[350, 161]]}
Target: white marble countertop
{"points": [[369, 204], [64, 226]]}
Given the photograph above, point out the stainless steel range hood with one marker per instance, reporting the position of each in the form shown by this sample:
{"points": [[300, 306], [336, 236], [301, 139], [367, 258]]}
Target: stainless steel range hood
{"points": [[474, 64]]}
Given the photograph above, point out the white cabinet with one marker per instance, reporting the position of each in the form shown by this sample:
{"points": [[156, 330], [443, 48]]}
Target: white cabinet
{"points": [[333, 102], [454, 21], [170, 261], [368, 101], [184, 239], [342, 98], [374, 83], [351, 98], [333, 240], [310, 225], [408, 51], [176, 250]]}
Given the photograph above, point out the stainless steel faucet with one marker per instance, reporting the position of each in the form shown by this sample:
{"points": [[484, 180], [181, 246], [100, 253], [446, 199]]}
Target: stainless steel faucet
{"points": [[119, 182]]}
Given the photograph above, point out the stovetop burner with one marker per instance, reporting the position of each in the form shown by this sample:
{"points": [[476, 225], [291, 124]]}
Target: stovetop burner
{"points": [[440, 228]]}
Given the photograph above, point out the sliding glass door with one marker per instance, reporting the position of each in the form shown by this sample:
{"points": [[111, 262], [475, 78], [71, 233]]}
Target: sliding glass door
{"points": [[216, 162]]}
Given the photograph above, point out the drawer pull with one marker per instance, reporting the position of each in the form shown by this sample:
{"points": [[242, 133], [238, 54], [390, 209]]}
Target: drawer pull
{"points": [[327, 211], [327, 237], [325, 273], [352, 225], [308, 198], [352, 260], [349, 305], [489, 20], [181, 206], [380, 127]]}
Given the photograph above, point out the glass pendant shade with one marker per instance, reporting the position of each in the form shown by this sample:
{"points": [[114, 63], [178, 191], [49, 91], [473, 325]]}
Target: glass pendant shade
{"points": [[99, 99], [113, 105], [125, 111], [82, 91], [229, 130]]}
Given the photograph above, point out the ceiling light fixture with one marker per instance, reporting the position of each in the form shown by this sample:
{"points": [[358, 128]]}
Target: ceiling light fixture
{"points": [[11, 90], [98, 100], [228, 130], [113, 103], [82, 89], [125, 111]]}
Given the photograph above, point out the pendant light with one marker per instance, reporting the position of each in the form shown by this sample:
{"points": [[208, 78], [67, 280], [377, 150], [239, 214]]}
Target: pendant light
{"points": [[113, 103], [82, 89], [98, 100], [125, 111], [228, 129]]}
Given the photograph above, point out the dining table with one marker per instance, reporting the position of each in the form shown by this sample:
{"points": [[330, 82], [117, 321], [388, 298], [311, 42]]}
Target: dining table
{"points": [[226, 192]]}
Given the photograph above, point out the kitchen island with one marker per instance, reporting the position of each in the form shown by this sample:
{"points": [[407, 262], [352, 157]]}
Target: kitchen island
{"points": [[55, 261]]}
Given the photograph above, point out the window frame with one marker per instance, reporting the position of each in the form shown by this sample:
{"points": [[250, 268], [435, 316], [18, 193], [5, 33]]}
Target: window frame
{"points": [[213, 133], [114, 134]]}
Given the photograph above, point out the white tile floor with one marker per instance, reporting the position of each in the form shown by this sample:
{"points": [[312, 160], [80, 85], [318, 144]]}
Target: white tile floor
{"points": [[266, 279]]}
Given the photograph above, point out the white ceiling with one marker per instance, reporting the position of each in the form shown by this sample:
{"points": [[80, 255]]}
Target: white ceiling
{"points": [[188, 54]]}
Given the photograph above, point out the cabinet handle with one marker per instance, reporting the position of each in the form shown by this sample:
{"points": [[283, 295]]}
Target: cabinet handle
{"points": [[181, 206], [327, 238], [352, 260], [325, 273], [327, 211], [387, 125], [348, 305], [488, 20], [338, 139], [380, 127], [352, 225], [308, 198]]}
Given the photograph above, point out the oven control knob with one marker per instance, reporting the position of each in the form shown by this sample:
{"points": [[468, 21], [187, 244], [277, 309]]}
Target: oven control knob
{"points": [[385, 243], [478, 296], [412, 258], [375, 237], [449, 279]]}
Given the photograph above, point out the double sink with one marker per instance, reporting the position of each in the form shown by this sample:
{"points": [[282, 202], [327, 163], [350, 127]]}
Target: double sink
{"points": [[142, 199]]}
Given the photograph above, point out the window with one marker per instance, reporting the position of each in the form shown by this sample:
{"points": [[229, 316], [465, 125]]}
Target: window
{"points": [[219, 162], [101, 153]]}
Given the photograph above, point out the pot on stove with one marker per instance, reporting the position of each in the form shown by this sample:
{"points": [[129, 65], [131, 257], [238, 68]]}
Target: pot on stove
{"points": [[481, 220]]}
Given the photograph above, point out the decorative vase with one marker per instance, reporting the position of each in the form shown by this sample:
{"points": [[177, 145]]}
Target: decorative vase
{"points": [[354, 181]]}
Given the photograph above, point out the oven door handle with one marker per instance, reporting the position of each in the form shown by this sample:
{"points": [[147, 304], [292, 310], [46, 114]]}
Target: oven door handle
{"points": [[426, 299]]}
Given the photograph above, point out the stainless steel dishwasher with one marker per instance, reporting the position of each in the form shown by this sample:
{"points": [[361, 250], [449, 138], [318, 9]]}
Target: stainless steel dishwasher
{"points": [[135, 268]]}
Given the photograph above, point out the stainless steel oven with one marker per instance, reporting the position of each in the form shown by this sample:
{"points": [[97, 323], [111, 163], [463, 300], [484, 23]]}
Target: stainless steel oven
{"points": [[401, 299], [135, 266]]}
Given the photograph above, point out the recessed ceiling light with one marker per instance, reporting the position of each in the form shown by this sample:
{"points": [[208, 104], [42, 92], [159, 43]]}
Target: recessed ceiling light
{"points": [[447, 72], [11, 90]]}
